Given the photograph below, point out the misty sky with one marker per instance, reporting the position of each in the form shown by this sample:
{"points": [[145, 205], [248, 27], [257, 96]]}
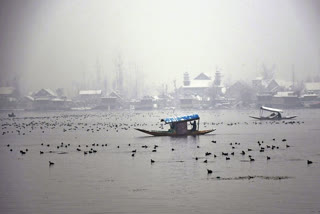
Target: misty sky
{"points": [[58, 43]]}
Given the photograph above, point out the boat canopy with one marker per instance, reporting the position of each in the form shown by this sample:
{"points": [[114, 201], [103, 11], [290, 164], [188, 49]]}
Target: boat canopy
{"points": [[270, 109], [181, 118]]}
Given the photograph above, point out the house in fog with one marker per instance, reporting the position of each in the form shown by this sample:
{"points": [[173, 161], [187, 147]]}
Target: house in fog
{"points": [[199, 86], [262, 86], [112, 101], [146, 103], [8, 97], [264, 100], [282, 99], [312, 88], [26, 103], [47, 99], [286, 99], [43, 99], [187, 103], [90, 98], [195, 93], [164, 101], [240, 93]]}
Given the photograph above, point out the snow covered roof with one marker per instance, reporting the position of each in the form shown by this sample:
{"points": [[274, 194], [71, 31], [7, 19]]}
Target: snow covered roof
{"points": [[202, 76], [199, 84], [90, 92], [6, 90], [45, 92], [285, 94], [286, 84], [42, 99], [312, 86], [29, 98], [115, 94], [57, 100]]}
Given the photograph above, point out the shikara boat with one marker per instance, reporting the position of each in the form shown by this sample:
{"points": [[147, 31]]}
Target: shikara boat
{"points": [[178, 127], [11, 115], [275, 115]]}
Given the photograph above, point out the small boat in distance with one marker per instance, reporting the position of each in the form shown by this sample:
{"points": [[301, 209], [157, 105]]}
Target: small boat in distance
{"points": [[275, 115], [179, 127], [11, 115]]}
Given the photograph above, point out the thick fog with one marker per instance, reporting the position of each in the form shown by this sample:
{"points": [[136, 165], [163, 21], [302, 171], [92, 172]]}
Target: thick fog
{"points": [[81, 44]]}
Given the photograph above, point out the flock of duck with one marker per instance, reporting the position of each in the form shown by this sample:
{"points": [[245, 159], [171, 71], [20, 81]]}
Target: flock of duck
{"points": [[124, 122]]}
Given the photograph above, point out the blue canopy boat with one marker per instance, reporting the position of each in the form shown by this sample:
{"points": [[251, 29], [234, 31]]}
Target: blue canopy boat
{"points": [[179, 126]]}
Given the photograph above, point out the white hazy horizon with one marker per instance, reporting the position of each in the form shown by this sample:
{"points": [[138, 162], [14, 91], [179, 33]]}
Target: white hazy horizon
{"points": [[59, 44]]}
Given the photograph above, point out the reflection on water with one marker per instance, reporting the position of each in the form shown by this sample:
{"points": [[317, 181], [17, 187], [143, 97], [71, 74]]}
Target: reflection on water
{"points": [[111, 180]]}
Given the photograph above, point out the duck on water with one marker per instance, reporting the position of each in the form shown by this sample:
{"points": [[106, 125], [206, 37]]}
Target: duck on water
{"points": [[179, 126]]}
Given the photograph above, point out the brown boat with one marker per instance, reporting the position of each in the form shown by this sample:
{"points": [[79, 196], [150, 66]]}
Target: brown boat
{"points": [[178, 127], [167, 133]]}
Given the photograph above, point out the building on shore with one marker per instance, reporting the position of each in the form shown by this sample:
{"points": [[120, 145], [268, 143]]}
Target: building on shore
{"points": [[187, 103], [89, 98], [195, 93], [26, 103], [312, 88], [310, 97], [263, 86], [286, 99], [199, 86], [240, 94], [146, 103], [8, 98], [47, 99], [163, 101], [112, 102]]}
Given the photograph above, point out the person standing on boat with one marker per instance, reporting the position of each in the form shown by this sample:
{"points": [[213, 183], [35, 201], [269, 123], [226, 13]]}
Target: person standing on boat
{"points": [[273, 115], [172, 127], [194, 125], [279, 115]]}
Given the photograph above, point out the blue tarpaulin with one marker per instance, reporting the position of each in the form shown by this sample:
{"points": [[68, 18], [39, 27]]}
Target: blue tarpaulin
{"points": [[181, 119]]}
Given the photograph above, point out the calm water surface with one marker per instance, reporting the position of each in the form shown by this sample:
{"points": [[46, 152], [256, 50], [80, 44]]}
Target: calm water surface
{"points": [[112, 181]]}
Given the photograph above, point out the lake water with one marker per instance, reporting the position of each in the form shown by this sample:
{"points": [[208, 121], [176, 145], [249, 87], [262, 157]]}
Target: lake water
{"points": [[112, 181]]}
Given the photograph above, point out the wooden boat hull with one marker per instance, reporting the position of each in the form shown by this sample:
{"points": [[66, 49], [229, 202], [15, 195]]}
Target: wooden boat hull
{"points": [[172, 134], [11, 115], [268, 118]]}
